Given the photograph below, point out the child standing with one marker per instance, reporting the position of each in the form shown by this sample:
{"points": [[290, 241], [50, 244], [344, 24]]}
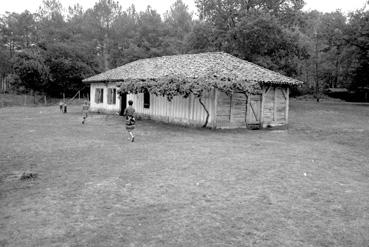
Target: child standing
{"points": [[85, 108], [65, 107], [130, 120], [61, 103]]}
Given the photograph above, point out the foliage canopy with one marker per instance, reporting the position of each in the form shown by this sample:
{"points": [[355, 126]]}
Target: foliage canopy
{"points": [[65, 46]]}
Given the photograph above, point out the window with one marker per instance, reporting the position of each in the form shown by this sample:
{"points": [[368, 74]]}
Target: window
{"points": [[99, 95], [112, 96], [146, 100]]}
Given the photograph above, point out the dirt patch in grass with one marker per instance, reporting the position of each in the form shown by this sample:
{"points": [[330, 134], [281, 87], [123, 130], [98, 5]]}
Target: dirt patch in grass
{"points": [[175, 186]]}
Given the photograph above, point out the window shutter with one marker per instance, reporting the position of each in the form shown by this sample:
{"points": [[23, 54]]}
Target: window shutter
{"points": [[109, 95], [114, 96], [97, 96]]}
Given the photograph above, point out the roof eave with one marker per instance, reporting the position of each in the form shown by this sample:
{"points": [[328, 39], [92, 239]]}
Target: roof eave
{"points": [[87, 81], [90, 81]]}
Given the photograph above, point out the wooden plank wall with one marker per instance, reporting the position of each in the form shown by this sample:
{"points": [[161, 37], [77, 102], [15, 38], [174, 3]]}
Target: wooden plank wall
{"points": [[275, 106], [238, 110], [223, 112], [253, 115], [268, 105], [270, 109], [184, 111], [231, 110]]}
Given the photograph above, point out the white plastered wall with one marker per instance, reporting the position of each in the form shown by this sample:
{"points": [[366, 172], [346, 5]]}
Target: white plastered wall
{"points": [[103, 107]]}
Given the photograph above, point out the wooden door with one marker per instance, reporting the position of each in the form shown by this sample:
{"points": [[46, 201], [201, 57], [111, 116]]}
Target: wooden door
{"points": [[253, 114], [223, 110], [238, 110]]}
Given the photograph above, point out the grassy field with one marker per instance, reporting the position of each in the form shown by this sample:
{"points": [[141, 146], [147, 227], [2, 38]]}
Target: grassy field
{"points": [[174, 186]]}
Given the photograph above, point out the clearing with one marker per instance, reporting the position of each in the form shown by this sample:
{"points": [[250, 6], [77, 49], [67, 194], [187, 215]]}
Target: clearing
{"points": [[175, 186]]}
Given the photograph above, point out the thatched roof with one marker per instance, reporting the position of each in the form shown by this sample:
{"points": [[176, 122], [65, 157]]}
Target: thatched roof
{"points": [[219, 65]]}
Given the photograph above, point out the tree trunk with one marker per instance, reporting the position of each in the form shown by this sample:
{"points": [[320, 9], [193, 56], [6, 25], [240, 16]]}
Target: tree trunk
{"points": [[105, 52], [316, 68], [335, 83], [207, 113]]}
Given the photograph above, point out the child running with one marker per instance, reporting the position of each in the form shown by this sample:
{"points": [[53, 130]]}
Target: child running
{"points": [[85, 108], [130, 120]]}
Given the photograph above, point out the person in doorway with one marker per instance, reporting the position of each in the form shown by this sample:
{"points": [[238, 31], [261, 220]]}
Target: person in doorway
{"points": [[85, 108], [129, 112]]}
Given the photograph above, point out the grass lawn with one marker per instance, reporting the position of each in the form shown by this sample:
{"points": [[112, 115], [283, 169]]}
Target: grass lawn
{"points": [[175, 186]]}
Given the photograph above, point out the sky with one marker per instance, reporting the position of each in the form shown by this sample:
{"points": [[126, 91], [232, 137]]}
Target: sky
{"points": [[162, 5]]}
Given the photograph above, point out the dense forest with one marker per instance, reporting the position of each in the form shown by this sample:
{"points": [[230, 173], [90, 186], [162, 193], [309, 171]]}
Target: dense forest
{"points": [[52, 50]]}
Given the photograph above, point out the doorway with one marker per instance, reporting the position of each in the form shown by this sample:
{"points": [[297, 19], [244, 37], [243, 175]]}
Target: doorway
{"points": [[123, 103], [253, 113]]}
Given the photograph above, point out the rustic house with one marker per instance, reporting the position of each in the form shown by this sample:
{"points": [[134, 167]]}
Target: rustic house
{"points": [[213, 89]]}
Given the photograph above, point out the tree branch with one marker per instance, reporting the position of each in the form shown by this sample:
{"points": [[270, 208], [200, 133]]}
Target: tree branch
{"points": [[207, 113]]}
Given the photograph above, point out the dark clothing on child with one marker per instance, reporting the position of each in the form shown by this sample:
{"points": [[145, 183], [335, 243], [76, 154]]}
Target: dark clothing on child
{"points": [[85, 110], [129, 111], [130, 119]]}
